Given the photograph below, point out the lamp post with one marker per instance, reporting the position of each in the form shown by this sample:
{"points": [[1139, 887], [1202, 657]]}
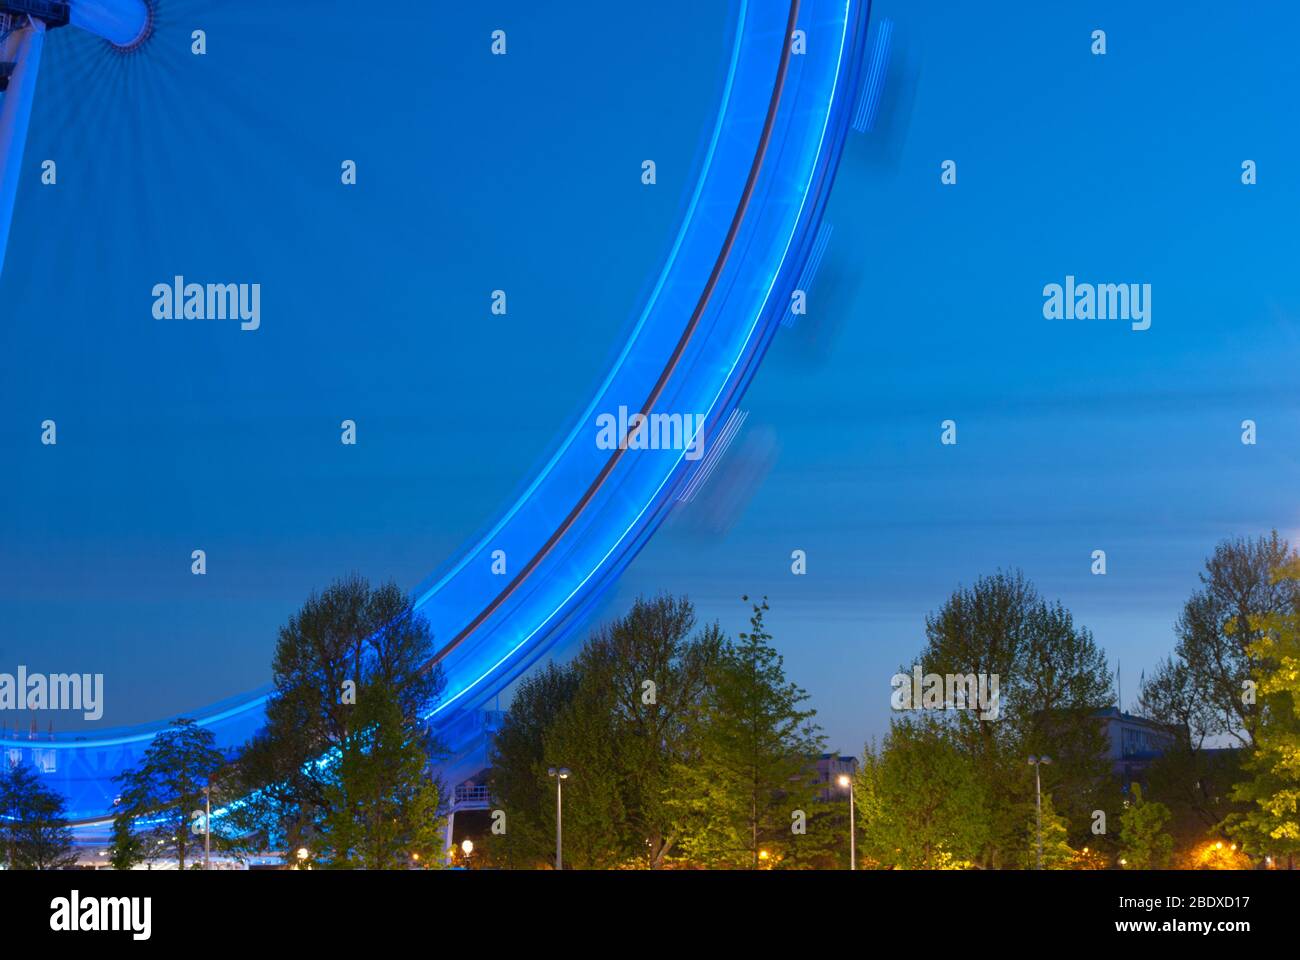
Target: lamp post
{"points": [[1037, 763], [559, 776], [846, 781], [467, 847], [207, 825]]}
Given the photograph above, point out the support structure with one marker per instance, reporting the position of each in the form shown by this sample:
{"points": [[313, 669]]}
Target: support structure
{"points": [[23, 26]]}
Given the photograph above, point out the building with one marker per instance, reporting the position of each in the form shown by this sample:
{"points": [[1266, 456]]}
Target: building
{"points": [[1132, 743], [830, 767]]}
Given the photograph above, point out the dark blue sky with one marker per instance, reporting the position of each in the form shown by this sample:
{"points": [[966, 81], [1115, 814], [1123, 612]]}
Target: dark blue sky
{"points": [[522, 173]]}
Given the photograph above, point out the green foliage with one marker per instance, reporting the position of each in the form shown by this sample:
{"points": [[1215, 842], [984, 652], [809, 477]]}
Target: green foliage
{"points": [[34, 829], [619, 718], [351, 654], [599, 811], [381, 805], [683, 747], [1144, 844], [519, 781], [1197, 787], [1249, 592], [160, 812], [1238, 598], [751, 765], [1270, 823], [125, 848], [1057, 853], [920, 804], [1053, 678], [824, 845]]}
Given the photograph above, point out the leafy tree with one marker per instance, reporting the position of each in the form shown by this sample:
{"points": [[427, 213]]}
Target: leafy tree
{"points": [[1238, 597], [1192, 781], [519, 781], [381, 804], [1144, 844], [751, 768], [349, 646], [824, 845], [159, 815], [125, 848], [628, 726], [33, 823], [1057, 853], [1053, 679], [598, 811], [919, 804], [619, 718], [1200, 692], [1271, 822]]}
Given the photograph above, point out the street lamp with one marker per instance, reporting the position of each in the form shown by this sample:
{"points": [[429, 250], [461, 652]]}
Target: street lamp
{"points": [[207, 825], [847, 782], [467, 847], [559, 776], [1037, 763], [303, 854]]}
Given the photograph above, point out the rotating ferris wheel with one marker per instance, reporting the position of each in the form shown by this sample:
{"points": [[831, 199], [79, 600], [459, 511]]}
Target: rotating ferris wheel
{"points": [[750, 227]]}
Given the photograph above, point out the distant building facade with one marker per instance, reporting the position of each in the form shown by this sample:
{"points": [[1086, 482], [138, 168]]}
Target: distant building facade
{"points": [[1133, 742], [830, 767]]}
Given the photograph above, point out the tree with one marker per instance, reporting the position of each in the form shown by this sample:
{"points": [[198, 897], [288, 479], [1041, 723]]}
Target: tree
{"points": [[162, 804], [1052, 681], [749, 777], [619, 718], [518, 780], [1170, 696], [1238, 597], [919, 804], [348, 646], [1270, 823], [1144, 844], [125, 848], [629, 724], [33, 823], [598, 801], [1197, 786], [381, 804], [1191, 781], [1057, 853]]}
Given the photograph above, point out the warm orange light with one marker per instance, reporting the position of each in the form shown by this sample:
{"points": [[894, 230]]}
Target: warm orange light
{"points": [[1213, 856], [762, 854]]}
